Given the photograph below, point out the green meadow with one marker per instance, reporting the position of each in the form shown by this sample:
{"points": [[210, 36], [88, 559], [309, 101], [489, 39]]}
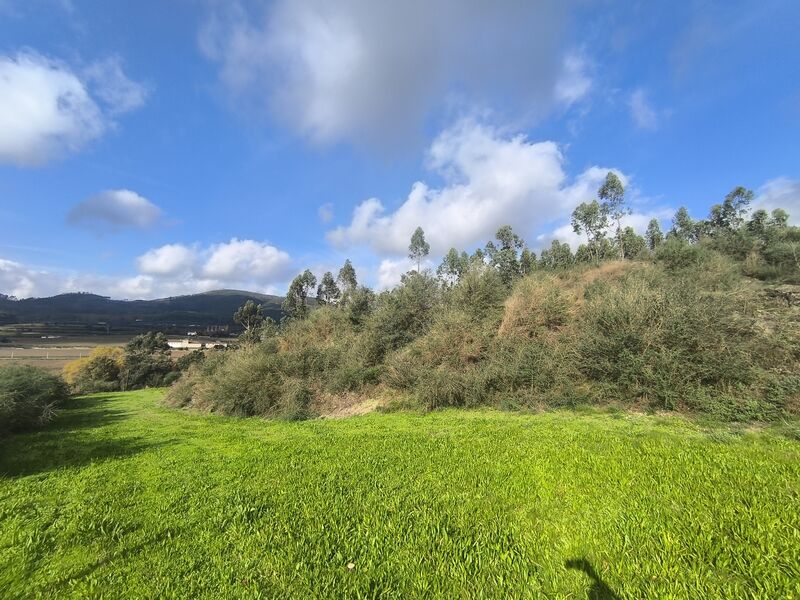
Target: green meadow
{"points": [[121, 498]]}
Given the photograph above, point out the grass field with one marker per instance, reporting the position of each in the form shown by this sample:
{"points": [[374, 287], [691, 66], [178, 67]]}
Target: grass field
{"points": [[119, 498]]}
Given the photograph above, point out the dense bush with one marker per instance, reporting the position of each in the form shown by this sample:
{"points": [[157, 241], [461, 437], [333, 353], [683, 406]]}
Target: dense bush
{"points": [[676, 253], [146, 361], [673, 335], [28, 397], [670, 322], [244, 383], [663, 339], [98, 372]]}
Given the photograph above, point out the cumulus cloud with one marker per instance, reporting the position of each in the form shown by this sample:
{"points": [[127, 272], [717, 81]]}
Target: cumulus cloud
{"points": [[490, 179], [169, 260], [390, 271], [114, 210], [642, 113], [373, 71], [781, 192], [179, 269], [48, 110], [45, 110], [23, 282], [170, 270], [238, 258]]}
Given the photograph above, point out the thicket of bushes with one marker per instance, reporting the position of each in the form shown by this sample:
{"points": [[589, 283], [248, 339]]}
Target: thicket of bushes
{"points": [[28, 397], [145, 361], [662, 322], [636, 333]]}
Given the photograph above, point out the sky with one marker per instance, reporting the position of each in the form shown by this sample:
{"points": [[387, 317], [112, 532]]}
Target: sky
{"points": [[166, 147]]}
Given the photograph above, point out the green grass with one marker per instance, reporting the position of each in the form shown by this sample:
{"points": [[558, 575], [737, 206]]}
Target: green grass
{"points": [[119, 498]]}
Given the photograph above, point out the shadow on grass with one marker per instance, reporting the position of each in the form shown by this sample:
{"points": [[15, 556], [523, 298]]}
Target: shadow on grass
{"points": [[122, 554], [85, 413], [599, 589], [65, 442]]}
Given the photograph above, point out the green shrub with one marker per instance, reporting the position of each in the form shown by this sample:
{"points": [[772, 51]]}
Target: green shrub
{"points": [[296, 399], [480, 292], [170, 378], [676, 253], [187, 360], [401, 315], [182, 392], [98, 372], [245, 383], [674, 344], [248, 382], [28, 397], [146, 361]]}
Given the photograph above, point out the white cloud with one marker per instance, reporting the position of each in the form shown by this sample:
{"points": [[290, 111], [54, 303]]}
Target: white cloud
{"points": [[781, 192], [172, 259], [390, 271], [23, 282], [170, 270], [490, 179], [373, 71], [241, 259], [643, 114], [113, 210], [47, 110], [325, 212]]}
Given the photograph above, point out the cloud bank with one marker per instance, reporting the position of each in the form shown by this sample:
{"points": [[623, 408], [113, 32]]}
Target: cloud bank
{"points": [[168, 270]]}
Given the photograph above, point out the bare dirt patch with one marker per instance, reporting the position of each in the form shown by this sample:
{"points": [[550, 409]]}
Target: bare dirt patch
{"points": [[348, 404]]}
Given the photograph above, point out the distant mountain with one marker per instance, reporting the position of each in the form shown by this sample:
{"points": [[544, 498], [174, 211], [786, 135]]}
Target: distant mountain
{"points": [[200, 310]]}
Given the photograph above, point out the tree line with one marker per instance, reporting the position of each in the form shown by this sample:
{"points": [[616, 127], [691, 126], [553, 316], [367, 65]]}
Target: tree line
{"points": [[765, 238]]}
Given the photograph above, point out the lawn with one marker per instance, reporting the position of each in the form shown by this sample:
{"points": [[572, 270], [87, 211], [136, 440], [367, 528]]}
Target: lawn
{"points": [[120, 498]]}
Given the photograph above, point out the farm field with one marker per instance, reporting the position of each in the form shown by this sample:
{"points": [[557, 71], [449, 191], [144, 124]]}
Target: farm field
{"points": [[46, 356], [119, 497], [51, 349], [53, 354]]}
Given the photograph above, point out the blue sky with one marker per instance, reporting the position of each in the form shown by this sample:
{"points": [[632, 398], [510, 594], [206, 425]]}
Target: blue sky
{"points": [[165, 147]]}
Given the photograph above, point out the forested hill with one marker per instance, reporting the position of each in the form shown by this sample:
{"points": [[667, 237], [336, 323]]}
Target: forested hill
{"points": [[208, 308]]}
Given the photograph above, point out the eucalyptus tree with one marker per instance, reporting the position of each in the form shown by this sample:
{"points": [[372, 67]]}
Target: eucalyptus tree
{"points": [[591, 218], [683, 226], [453, 267], [327, 291], [347, 282], [612, 197], [654, 236], [505, 258], [250, 316], [418, 248], [295, 305]]}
